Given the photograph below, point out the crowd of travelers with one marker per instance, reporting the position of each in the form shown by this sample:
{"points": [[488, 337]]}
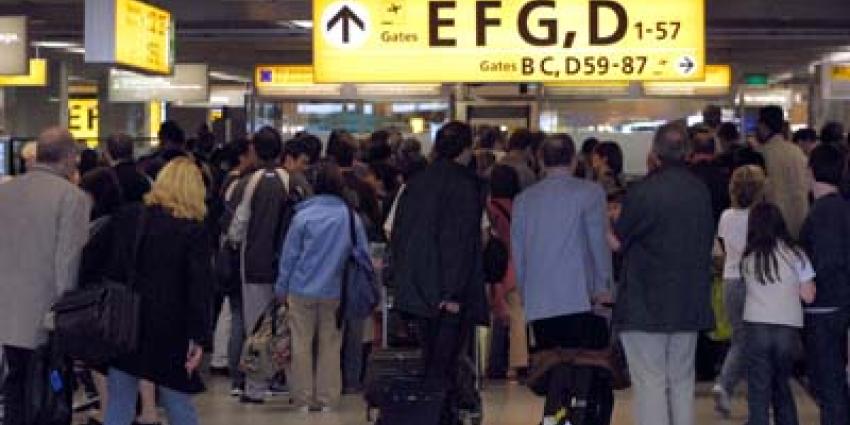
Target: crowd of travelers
{"points": [[211, 235]]}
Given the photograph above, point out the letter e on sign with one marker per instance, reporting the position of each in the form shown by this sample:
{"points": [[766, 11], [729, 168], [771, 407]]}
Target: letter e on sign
{"points": [[345, 24]]}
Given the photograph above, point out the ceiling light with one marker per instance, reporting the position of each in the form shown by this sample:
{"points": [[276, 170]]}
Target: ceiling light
{"points": [[218, 75], [77, 50], [302, 23], [55, 44]]}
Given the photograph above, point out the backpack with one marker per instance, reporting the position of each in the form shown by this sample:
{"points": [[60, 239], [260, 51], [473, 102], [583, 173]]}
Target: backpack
{"points": [[496, 254], [360, 294], [238, 231]]}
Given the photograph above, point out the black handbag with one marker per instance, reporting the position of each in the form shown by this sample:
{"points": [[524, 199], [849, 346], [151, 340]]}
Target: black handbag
{"points": [[48, 395], [98, 324]]}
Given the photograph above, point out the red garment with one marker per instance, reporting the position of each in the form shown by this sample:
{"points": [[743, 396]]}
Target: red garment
{"points": [[500, 222]]}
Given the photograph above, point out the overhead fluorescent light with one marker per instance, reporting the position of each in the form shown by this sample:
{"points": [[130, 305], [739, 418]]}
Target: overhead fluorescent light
{"points": [[76, 50], [55, 44], [306, 24], [224, 76], [399, 89]]}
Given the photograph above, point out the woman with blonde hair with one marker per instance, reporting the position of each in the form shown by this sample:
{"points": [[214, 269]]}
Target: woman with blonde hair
{"points": [[161, 247], [747, 189]]}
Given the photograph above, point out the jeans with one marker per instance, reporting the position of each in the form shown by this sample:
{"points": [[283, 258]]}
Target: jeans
{"points": [[734, 296], [237, 339], [826, 341], [352, 354], [769, 352], [663, 375], [123, 393], [18, 360]]}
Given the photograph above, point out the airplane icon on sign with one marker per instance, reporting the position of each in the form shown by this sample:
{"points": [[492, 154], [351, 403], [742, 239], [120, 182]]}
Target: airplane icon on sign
{"points": [[394, 8]]}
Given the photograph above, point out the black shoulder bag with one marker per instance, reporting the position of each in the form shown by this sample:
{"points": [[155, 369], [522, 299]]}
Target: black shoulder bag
{"points": [[98, 324]]}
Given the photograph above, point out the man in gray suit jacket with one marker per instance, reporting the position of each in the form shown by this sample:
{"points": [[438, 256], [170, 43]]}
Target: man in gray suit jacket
{"points": [[45, 226]]}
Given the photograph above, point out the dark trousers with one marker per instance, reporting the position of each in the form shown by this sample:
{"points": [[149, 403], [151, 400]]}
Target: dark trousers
{"points": [[18, 360], [826, 350], [498, 364], [442, 342], [582, 330], [769, 352]]}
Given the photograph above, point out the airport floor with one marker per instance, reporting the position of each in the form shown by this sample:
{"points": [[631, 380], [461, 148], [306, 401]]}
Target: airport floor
{"points": [[505, 404]]}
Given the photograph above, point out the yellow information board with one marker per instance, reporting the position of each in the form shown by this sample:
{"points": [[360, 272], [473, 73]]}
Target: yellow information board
{"points": [[268, 76], [395, 41], [84, 119], [143, 37], [291, 81], [840, 72], [156, 115], [36, 78]]}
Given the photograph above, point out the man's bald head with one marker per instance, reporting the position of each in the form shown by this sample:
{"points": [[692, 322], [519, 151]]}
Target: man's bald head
{"points": [[55, 146]]}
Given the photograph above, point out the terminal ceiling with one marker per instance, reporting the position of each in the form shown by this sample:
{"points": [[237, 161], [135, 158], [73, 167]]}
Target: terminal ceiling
{"points": [[769, 36]]}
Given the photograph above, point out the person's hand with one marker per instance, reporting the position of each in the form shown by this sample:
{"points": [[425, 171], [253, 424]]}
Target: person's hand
{"points": [[450, 307], [194, 357], [603, 298], [613, 241], [808, 292]]}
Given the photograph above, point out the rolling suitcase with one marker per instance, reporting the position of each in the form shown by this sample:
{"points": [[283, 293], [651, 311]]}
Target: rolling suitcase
{"points": [[395, 387], [580, 395]]}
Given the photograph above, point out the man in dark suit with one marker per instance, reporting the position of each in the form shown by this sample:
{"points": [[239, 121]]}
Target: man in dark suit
{"points": [[437, 262], [119, 151]]}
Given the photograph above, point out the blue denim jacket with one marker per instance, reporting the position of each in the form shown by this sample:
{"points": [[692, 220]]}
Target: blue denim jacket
{"points": [[317, 248]]}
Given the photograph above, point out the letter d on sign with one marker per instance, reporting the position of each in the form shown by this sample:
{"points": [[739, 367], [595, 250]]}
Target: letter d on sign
{"points": [[622, 22]]}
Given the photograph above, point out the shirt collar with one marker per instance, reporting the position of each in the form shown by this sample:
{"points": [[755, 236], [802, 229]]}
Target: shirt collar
{"points": [[558, 172], [49, 170]]}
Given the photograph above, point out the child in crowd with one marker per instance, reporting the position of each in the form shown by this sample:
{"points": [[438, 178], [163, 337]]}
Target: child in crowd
{"points": [[777, 275], [746, 189]]}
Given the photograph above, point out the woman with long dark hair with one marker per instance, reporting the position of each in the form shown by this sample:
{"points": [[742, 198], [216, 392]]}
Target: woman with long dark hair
{"points": [[509, 319], [607, 164], [777, 274]]}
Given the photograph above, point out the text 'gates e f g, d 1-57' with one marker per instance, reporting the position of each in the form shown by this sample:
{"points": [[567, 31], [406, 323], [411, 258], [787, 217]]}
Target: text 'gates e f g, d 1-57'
{"points": [[410, 41]]}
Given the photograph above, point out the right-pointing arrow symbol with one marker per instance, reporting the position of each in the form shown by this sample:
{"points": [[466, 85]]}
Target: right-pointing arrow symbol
{"points": [[687, 65], [346, 16]]}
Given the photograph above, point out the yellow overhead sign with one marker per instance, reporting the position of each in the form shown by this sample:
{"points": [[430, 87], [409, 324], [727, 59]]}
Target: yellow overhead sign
{"points": [[283, 75], [395, 41], [84, 119], [717, 82], [291, 81], [840, 72], [156, 115], [143, 37], [36, 78]]}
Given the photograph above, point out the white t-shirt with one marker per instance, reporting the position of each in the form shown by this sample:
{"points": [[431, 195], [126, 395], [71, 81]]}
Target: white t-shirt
{"points": [[777, 302], [733, 231]]}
